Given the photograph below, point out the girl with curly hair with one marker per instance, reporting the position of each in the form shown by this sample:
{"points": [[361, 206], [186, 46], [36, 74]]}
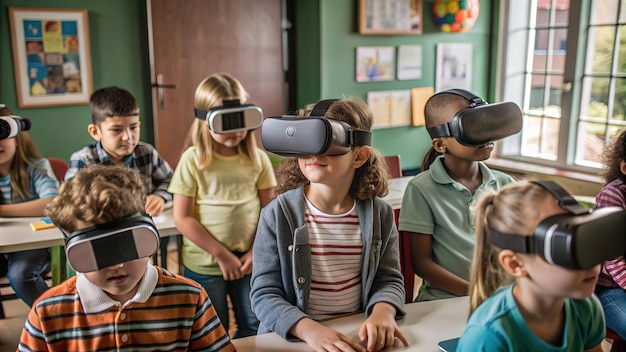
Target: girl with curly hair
{"points": [[328, 246]]}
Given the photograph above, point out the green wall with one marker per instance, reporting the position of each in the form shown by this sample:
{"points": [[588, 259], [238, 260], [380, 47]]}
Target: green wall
{"points": [[119, 56], [326, 36], [327, 39]]}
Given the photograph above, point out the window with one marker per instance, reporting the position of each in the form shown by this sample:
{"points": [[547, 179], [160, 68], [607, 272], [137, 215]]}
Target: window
{"points": [[564, 63]]}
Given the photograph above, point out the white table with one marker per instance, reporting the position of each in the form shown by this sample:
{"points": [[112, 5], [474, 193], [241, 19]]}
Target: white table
{"points": [[16, 235], [425, 324]]}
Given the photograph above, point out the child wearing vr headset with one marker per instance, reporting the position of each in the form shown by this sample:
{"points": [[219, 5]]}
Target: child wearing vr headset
{"points": [[611, 287], [536, 263], [115, 128], [117, 300], [328, 245], [220, 184], [436, 204], [26, 187]]}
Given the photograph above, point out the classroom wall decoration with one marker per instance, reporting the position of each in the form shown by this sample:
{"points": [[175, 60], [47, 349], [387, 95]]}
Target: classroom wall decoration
{"points": [[51, 56], [390, 16], [409, 62], [375, 63], [454, 66], [390, 108], [455, 15]]}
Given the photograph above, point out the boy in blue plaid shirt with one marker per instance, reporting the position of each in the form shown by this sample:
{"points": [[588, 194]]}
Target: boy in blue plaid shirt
{"points": [[115, 127]]}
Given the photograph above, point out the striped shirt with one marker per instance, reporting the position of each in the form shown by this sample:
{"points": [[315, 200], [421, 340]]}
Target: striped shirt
{"points": [[168, 313], [336, 248], [613, 271], [145, 159], [41, 185]]}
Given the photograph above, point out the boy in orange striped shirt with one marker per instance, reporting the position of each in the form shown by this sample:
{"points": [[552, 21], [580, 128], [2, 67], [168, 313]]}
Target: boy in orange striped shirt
{"points": [[118, 300]]}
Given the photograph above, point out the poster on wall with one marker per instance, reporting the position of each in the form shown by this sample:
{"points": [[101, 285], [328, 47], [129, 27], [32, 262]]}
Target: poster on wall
{"points": [[409, 62], [375, 63], [51, 56], [454, 66], [390, 108]]}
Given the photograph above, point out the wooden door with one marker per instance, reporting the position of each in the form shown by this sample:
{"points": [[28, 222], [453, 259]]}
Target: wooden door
{"points": [[192, 39]]}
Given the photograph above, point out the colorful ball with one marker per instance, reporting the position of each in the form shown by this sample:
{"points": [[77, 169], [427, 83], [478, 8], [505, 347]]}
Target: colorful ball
{"points": [[455, 15]]}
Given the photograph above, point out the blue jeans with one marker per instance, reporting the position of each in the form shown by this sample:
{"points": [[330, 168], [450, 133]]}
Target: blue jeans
{"points": [[24, 272], [614, 303], [239, 292]]}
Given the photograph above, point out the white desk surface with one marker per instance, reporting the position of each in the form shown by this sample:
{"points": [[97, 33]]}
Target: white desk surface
{"points": [[425, 324], [16, 234]]}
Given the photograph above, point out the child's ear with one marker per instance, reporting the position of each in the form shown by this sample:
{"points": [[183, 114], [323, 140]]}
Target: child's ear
{"points": [[512, 263], [439, 145], [94, 131], [362, 156], [622, 167]]}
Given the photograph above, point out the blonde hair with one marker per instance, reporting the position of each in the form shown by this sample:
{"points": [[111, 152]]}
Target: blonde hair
{"points": [[210, 93], [513, 209], [370, 180], [98, 194], [26, 153]]}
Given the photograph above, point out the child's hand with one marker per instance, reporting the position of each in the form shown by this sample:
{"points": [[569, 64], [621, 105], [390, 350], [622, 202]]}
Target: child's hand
{"points": [[380, 329], [154, 205], [246, 263], [230, 266], [321, 338]]}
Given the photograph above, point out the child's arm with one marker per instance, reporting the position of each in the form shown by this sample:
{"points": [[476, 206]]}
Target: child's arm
{"points": [[161, 175], [29, 208], [32, 338], [265, 196], [426, 268], [189, 226], [206, 334]]}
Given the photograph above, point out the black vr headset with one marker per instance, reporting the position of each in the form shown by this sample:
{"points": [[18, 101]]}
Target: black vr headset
{"points": [[301, 136], [104, 245], [577, 240], [231, 117], [480, 123]]}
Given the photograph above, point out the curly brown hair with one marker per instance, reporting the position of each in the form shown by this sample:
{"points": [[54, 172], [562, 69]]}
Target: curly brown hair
{"points": [[612, 156], [370, 180], [97, 194]]}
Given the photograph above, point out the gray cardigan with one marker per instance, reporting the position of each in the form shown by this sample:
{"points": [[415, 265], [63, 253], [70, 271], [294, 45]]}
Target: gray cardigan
{"points": [[281, 273]]}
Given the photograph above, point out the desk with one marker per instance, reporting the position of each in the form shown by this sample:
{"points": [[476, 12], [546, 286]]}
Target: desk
{"points": [[18, 236], [425, 324], [396, 191]]}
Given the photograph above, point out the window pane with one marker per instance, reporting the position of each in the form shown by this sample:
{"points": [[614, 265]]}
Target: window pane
{"points": [[598, 98], [604, 11], [621, 54], [540, 137], [590, 143], [619, 100], [537, 92], [560, 41], [561, 12], [622, 13], [601, 40]]}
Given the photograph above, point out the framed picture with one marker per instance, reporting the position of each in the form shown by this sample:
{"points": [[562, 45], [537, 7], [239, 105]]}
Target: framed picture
{"points": [[375, 63], [409, 62], [51, 56], [454, 66], [390, 16]]}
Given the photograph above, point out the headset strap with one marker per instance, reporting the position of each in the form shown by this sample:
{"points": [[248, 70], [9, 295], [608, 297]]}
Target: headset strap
{"points": [[514, 242], [566, 201], [321, 107]]}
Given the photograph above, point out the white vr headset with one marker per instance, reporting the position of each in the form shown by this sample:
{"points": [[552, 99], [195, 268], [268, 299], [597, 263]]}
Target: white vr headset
{"points": [[231, 117], [104, 245], [301, 136]]}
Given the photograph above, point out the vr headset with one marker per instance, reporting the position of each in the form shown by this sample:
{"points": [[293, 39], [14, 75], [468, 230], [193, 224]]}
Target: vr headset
{"points": [[104, 245], [480, 123], [10, 126], [577, 240], [302, 136], [231, 117]]}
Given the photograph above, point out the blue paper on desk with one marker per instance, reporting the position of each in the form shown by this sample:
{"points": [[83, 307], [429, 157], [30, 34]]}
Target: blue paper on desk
{"points": [[448, 345], [46, 220]]}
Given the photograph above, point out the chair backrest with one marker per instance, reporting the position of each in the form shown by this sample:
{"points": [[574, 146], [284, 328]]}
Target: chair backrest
{"points": [[393, 165], [59, 166]]}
